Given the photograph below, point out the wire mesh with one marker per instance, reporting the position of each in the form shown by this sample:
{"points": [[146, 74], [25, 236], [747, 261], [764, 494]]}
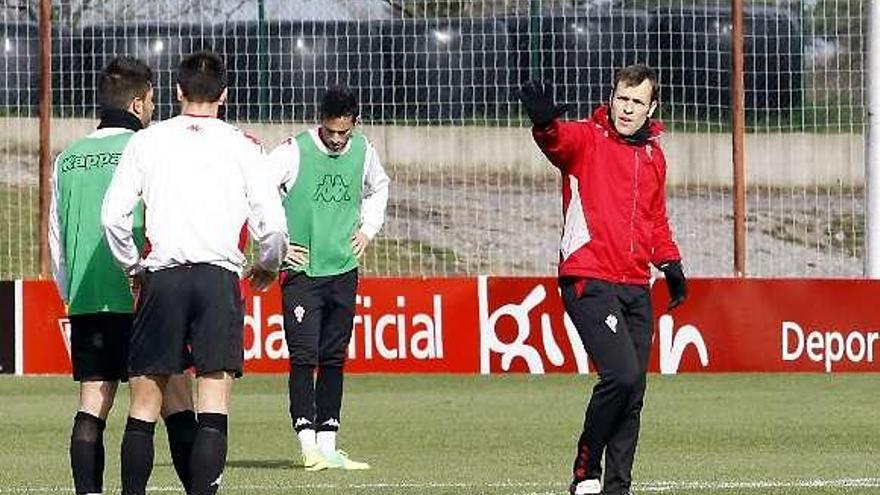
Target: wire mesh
{"points": [[437, 81]]}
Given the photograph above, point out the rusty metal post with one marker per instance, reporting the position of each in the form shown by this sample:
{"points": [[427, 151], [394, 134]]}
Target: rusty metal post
{"points": [[738, 114], [45, 130]]}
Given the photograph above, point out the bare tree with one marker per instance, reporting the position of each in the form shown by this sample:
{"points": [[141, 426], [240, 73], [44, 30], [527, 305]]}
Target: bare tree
{"points": [[470, 8], [75, 13], [190, 10]]}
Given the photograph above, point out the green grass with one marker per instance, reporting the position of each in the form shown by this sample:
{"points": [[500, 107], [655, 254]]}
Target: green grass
{"points": [[19, 231], [494, 435]]}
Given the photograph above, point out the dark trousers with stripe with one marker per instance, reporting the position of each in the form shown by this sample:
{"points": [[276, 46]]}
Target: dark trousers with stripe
{"points": [[615, 324]]}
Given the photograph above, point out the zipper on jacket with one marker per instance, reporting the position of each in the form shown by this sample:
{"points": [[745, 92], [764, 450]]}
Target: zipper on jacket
{"points": [[632, 218]]}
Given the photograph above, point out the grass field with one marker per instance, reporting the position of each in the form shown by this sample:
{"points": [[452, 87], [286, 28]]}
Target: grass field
{"points": [[19, 231], [750, 434]]}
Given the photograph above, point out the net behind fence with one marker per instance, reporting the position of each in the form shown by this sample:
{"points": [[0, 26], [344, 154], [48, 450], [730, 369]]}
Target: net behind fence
{"points": [[437, 82]]}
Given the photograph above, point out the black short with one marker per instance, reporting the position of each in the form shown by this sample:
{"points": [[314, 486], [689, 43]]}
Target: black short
{"points": [[318, 317], [188, 315], [99, 346]]}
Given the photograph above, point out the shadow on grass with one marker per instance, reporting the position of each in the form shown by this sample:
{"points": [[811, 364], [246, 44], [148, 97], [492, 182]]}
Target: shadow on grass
{"points": [[262, 464], [253, 464]]}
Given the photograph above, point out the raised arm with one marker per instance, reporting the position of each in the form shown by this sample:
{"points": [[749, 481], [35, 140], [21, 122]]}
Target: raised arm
{"points": [[560, 141]]}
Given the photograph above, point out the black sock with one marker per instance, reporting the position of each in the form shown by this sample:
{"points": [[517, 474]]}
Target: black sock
{"points": [[87, 453], [182, 429], [301, 384], [328, 393], [209, 454], [137, 456]]}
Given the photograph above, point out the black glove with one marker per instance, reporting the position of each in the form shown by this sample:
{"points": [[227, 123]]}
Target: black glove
{"points": [[537, 96], [678, 289]]}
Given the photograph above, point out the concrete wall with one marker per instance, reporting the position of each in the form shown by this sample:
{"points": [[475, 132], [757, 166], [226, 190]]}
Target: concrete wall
{"points": [[704, 159]]}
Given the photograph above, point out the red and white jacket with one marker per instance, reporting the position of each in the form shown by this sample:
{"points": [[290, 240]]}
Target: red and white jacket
{"points": [[613, 200]]}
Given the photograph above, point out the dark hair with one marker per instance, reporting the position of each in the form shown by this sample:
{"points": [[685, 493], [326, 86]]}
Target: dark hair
{"points": [[633, 75], [121, 81], [339, 101], [202, 77]]}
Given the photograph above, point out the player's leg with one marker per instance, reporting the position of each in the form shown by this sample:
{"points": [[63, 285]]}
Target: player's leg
{"points": [[157, 350], [597, 315], [335, 336], [621, 449], [215, 336], [303, 314], [99, 344], [208, 459], [87, 436], [180, 422], [137, 441]]}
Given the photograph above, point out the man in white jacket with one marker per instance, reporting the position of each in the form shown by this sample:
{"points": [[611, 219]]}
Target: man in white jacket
{"points": [[199, 179], [99, 302]]}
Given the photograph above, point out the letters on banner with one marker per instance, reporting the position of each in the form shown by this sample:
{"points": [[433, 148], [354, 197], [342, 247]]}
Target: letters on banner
{"points": [[495, 325]]}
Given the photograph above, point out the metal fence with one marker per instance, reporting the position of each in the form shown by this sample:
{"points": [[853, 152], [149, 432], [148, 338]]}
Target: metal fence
{"points": [[470, 192]]}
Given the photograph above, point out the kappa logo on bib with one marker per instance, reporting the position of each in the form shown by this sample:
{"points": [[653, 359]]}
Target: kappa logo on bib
{"points": [[332, 189]]}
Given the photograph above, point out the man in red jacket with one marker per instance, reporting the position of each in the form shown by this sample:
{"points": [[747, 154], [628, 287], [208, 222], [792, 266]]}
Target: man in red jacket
{"points": [[614, 205]]}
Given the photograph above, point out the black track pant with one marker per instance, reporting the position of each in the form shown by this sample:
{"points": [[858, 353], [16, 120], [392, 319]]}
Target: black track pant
{"points": [[615, 324], [318, 316]]}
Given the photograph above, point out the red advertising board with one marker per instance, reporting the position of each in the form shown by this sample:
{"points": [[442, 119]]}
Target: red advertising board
{"points": [[405, 325], [777, 325], [46, 331], [508, 324]]}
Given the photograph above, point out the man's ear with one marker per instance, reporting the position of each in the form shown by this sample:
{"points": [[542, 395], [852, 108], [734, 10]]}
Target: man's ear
{"points": [[652, 108], [223, 96], [136, 106], [179, 92]]}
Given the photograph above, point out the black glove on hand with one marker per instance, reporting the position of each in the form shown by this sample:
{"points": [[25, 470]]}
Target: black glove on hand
{"points": [[537, 96], [676, 281]]}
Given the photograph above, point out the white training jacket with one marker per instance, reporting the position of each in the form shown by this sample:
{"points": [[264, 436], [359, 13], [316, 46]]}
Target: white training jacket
{"points": [[284, 168], [201, 180]]}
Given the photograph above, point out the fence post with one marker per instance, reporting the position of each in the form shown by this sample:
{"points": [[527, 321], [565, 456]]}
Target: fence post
{"points": [[262, 61], [535, 39], [737, 104], [872, 145], [45, 130]]}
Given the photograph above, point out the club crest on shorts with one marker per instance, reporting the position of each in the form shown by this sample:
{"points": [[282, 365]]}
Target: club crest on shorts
{"points": [[298, 313], [611, 321]]}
